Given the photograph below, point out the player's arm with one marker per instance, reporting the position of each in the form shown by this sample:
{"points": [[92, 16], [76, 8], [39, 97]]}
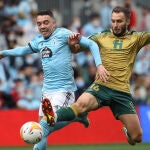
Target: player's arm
{"points": [[73, 42], [93, 47], [78, 42], [144, 38], [19, 51]]}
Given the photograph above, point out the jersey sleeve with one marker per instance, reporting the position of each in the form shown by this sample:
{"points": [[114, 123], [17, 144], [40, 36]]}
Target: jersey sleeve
{"points": [[33, 44], [65, 34], [93, 47], [144, 39], [18, 51], [94, 37]]}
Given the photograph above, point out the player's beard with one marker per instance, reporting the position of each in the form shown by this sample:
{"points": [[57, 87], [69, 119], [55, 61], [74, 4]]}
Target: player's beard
{"points": [[51, 30], [123, 31]]}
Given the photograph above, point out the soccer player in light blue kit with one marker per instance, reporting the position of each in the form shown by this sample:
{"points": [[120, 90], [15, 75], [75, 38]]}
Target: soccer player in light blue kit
{"points": [[58, 84]]}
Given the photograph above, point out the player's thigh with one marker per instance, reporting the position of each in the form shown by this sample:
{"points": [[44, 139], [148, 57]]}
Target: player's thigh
{"points": [[94, 97], [122, 103], [87, 102], [131, 122], [123, 109]]}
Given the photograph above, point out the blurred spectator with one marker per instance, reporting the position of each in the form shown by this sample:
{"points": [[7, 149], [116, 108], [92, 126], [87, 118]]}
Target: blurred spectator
{"points": [[30, 29], [133, 17], [18, 89], [33, 5], [36, 85], [28, 71], [11, 8], [28, 102], [76, 25], [91, 73], [148, 95], [58, 17], [31, 60], [86, 11], [25, 9], [6, 25], [145, 20], [142, 64], [21, 74], [4, 77], [80, 82], [93, 26], [140, 95], [115, 3], [146, 83], [3, 43], [22, 19], [105, 14], [80, 59], [2, 10], [6, 100]]}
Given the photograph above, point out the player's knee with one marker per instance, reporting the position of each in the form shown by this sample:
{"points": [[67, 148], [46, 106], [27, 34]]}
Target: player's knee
{"points": [[137, 136], [86, 103], [82, 106]]}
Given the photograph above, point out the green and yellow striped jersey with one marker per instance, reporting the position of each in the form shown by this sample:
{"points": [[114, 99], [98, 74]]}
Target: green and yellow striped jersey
{"points": [[118, 55]]}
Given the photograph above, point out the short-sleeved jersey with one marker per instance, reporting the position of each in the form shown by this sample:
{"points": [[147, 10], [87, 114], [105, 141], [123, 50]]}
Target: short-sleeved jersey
{"points": [[118, 56], [56, 60]]}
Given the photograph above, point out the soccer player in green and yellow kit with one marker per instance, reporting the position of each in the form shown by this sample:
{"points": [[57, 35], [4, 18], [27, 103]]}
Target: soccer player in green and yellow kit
{"points": [[119, 48]]}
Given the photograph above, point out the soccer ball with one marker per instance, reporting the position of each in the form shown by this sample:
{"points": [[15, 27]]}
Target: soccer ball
{"points": [[31, 132]]}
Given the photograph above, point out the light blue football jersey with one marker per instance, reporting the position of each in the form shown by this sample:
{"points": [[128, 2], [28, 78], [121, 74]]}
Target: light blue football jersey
{"points": [[56, 60]]}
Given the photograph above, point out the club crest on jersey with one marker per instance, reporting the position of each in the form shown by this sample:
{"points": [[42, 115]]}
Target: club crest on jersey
{"points": [[46, 52]]}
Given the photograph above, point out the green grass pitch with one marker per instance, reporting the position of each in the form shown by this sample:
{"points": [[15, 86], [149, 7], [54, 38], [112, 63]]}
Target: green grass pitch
{"points": [[141, 146]]}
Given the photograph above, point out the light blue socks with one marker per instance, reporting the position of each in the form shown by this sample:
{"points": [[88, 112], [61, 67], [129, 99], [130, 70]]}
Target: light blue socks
{"points": [[47, 131]]}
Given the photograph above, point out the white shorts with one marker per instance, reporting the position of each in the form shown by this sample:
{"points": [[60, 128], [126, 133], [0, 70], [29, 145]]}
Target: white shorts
{"points": [[58, 100]]}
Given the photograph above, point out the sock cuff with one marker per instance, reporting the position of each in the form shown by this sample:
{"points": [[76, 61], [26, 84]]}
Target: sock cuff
{"points": [[75, 109]]}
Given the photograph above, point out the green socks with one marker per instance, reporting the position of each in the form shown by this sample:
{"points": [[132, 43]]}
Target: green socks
{"points": [[65, 114]]}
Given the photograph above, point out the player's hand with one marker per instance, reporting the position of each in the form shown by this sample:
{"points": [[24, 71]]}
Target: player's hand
{"points": [[102, 73], [74, 39], [1, 56]]}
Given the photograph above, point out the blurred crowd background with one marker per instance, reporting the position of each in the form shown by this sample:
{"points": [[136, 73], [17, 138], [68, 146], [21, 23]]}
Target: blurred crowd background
{"points": [[21, 77]]}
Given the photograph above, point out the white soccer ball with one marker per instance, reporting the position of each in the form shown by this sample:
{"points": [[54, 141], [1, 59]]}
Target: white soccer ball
{"points": [[31, 132]]}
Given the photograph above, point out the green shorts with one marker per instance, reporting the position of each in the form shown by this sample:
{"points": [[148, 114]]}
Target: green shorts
{"points": [[118, 101]]}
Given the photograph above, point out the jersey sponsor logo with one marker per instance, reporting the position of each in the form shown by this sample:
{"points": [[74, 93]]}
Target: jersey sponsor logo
{"points": [[46, 52], [118, 44]]}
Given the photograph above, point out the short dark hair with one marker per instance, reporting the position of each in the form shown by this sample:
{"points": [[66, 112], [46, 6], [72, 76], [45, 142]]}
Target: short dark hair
{"points": [[124, 10], [94, 15], [45, 12]]}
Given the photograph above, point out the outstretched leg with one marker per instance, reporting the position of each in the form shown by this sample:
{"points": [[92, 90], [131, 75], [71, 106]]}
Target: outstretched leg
{"points": [[52, 126], [51, 118], [86, 102], [48, 129], [131, 128]]}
